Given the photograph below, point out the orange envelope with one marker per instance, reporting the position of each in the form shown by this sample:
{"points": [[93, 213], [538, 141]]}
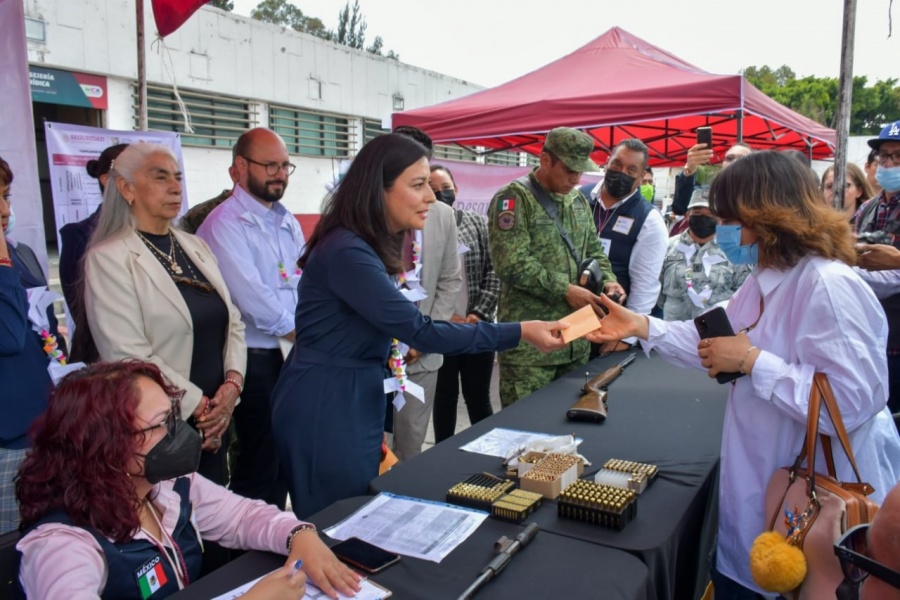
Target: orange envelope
{"points": [[582, 321]]}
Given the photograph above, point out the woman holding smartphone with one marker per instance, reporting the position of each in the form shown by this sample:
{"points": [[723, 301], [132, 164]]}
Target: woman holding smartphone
{"points": [[801, 311]]}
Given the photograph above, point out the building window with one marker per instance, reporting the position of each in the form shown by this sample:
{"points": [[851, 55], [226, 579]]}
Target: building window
{"points": [[216, 120], [312, 133], [506, 158], [372, 129], [442, 152], [532, 160]]}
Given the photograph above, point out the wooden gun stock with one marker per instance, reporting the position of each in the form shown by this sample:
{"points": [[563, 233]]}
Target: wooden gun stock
{"points": [[592, 405]]}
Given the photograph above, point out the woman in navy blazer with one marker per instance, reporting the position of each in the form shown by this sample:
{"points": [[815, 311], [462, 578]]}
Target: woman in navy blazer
{"points": [[328, 404], [23, 363]]}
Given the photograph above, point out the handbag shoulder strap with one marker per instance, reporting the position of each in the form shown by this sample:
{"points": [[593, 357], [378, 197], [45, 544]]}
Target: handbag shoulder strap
{"points": [[821, 392], [550, 207]]}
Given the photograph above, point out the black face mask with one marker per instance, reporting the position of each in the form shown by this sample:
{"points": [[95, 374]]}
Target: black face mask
{"points": [[174, 456], [448, 197], [703, 226], [618, 184]]}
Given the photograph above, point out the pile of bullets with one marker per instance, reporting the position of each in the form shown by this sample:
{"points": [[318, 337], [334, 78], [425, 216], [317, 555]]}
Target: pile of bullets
{"points": [[516, 506], [479, 491], [597, 504]]}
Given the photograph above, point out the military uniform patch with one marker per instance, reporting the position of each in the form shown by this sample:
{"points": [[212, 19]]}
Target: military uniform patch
{"points": [[507, 204], [506, 220]]}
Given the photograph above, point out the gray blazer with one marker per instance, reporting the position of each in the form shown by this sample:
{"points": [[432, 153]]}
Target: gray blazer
{"points": [[441, 274]]}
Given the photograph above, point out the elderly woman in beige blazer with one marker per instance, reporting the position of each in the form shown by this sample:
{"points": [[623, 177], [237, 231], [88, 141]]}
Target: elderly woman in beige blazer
{"points": [[155, 293]]}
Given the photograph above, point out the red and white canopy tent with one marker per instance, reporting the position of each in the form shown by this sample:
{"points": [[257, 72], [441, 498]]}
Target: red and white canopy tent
{"points": [[617, 87]]}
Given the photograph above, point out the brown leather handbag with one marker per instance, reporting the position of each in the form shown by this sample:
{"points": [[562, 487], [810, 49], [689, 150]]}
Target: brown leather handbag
{"points": [[813, 509]]}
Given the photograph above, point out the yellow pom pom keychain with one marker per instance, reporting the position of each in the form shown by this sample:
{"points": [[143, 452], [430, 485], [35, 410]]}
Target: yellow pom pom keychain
{"points": [[777, 563]]}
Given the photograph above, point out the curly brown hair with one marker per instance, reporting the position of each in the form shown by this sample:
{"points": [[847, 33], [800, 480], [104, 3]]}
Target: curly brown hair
{"points": [[778, 198]]}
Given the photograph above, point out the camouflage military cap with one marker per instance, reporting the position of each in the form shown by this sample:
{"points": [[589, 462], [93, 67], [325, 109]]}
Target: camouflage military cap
{"points": [[573, 147], [700, 198]]}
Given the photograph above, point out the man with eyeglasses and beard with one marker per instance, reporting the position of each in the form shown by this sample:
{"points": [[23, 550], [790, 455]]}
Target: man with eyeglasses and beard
{"points": [[870, 555], [257, 243]]}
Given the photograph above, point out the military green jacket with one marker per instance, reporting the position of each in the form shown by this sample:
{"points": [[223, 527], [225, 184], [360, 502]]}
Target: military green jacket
{"points": [[534, 265]]}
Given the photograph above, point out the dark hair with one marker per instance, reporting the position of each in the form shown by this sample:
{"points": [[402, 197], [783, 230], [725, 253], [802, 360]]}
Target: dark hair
{"points": [[871, 158], [102, 164], [445, 170], [6, 174], [418, 135], [358, 204], [83, 445], [635, 145], [777, 197], [797, 155], [648, 170]]}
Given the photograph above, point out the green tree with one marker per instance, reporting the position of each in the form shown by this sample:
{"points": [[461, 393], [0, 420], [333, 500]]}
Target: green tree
{"points": [[223, 4], [286, 14], [351, 29], [816, 97]]}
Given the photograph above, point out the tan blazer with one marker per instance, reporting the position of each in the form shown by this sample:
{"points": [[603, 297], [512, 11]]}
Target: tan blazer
{"points": [[441, 275], [136, 311]]}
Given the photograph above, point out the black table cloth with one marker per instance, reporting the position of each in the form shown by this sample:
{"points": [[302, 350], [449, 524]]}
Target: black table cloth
{"points": [[658, 414], [551, 566]]}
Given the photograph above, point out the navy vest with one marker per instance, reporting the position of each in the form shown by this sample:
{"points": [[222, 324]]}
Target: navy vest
{"points": [[891, 304], [620, 242], [137, 569]]}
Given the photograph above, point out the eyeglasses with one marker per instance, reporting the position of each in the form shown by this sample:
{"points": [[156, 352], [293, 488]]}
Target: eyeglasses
{"points": [[731, 158], [173, 417], [272, 168], [882, 157], [830, 186], [851, 551]]}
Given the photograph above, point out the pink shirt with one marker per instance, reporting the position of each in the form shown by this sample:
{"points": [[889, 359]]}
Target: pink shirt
{"points": [[59, 561]]}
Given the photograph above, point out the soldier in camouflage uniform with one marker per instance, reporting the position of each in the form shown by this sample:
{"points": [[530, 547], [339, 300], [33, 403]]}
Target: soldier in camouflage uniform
{"points": [[696, 274], [538, 273], [193, 218]]}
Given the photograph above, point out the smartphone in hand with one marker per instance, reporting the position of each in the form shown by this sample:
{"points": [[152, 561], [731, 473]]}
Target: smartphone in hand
{"points": [[715, 323], [704, 136]]}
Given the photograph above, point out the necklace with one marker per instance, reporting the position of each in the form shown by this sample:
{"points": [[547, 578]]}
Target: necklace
{"points": [[395, 362], [170, 257]]}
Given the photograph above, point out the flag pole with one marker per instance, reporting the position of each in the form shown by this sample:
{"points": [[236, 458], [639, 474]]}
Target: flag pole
{"points": [[142, 67]]}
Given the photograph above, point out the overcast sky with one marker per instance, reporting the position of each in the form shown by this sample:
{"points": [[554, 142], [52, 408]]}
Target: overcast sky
{"points": [[489, 42]]}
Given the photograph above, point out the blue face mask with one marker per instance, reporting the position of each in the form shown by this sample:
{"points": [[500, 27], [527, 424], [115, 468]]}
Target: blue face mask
{"points": [[728, 237], [888, 178]]}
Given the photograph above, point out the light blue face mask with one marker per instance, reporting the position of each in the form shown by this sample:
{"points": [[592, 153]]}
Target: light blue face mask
{"points": [[888, 178], [11, 222], [728, 237]]}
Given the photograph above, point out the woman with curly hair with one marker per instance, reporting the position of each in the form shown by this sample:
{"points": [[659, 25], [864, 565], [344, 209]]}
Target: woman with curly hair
{"points": [[111, 506], [801, 311]]}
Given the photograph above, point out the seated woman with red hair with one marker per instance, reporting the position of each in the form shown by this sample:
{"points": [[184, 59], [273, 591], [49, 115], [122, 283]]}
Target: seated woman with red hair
{"points": [[111, 506]]}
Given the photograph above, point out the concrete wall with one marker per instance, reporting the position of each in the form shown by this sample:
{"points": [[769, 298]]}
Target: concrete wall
{"points": [[222, 53]]}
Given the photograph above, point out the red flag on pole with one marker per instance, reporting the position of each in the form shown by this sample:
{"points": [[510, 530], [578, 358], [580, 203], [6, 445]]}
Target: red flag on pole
{"points": [[171, 14]]}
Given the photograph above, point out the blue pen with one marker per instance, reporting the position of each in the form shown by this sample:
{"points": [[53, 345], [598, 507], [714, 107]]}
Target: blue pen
{"points": [[297, 566]]}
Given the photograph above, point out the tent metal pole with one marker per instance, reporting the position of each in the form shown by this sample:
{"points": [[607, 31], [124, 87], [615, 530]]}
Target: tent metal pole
{"points": [[740, 124], [845, 98], [141, 67]]}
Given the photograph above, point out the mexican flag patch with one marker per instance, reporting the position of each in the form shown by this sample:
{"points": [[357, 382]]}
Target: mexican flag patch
{"points": [[508, 204], [151, 577]]}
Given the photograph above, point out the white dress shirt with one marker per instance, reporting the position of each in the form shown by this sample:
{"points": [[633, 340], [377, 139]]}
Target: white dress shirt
{"points": [[249, 241], [883, 283], [819, 316]]}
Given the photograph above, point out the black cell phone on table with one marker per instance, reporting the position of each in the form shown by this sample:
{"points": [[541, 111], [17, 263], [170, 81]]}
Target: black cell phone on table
{"points": [[704, 136], [363, 555], [715, 323]]}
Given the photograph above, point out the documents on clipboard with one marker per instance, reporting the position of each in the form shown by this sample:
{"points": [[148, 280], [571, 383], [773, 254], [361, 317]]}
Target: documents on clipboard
{"points": [[410, 526], [368, 590]]}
